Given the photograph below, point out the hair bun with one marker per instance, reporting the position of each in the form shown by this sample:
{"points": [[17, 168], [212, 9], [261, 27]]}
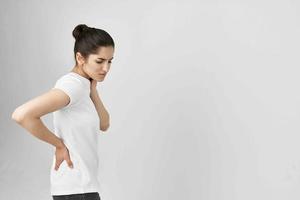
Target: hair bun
{"points": [[78, 30]]}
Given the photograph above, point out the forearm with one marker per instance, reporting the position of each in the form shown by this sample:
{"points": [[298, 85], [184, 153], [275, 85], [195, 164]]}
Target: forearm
{"points": [[101, 110], [36, 127]]}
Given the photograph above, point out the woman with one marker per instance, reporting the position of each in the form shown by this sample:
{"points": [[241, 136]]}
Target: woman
{"points": [[78, 116]]}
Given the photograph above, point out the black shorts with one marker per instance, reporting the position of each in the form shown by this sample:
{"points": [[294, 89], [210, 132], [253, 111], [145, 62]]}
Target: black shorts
{"points": [[81, 196]]}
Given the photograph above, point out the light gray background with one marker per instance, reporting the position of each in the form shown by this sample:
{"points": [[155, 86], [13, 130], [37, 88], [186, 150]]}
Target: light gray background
{"points": [[203, 97]]}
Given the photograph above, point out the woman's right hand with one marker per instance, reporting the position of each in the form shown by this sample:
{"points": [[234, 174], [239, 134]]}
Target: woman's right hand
{"points": [[61, 154]]}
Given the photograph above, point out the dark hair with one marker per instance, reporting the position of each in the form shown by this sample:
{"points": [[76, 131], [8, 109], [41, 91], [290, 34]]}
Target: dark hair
{"points": [[89, 39]]}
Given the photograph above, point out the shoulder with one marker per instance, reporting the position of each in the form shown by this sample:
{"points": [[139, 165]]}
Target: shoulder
{"points": [[71, 86], [70, 79]]}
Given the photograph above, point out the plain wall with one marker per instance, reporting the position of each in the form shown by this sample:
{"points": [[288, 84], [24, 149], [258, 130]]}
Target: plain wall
{"points": [[203, 97]]}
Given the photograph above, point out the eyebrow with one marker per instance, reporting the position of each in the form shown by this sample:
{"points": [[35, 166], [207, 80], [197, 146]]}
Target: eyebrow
{"points": [[105, 59]]}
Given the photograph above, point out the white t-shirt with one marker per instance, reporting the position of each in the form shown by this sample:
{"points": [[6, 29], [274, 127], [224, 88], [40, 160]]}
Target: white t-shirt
{"points": [[78, 125]]}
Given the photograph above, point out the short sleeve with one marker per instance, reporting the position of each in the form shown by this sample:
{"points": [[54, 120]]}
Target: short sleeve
{"points": [[72, 88]]}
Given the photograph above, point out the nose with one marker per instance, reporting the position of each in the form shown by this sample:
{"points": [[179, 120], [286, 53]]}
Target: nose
{"points": [[106, 67]]}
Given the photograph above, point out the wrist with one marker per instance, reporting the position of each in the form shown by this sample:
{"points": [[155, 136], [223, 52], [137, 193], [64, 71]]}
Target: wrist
{"points": [[59, 143]]}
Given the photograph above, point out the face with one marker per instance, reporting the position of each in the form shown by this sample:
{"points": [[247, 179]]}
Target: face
{"points": [[96, 66]]}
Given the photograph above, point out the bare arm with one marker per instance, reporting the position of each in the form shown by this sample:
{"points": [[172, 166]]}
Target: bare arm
{"points": [[28, 115], [102, 112]]}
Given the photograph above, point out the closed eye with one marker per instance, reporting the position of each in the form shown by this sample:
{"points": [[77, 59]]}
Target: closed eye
{"points": [[102, 62]]}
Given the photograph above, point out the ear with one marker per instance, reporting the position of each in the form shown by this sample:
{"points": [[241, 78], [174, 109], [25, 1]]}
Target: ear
{"points": [[79, 58]]}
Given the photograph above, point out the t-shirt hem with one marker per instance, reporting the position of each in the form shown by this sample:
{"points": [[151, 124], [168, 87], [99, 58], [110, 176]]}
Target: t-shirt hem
{"points": [[73, 191]]}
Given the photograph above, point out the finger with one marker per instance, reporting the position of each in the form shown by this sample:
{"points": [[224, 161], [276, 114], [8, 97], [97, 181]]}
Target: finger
{"points": [[68, 160], [70, 163], [57, 164]]}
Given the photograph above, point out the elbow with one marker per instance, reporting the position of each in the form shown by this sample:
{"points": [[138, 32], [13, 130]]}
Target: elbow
{"points": [[104, 125], [18, 116], [104, 128]]}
